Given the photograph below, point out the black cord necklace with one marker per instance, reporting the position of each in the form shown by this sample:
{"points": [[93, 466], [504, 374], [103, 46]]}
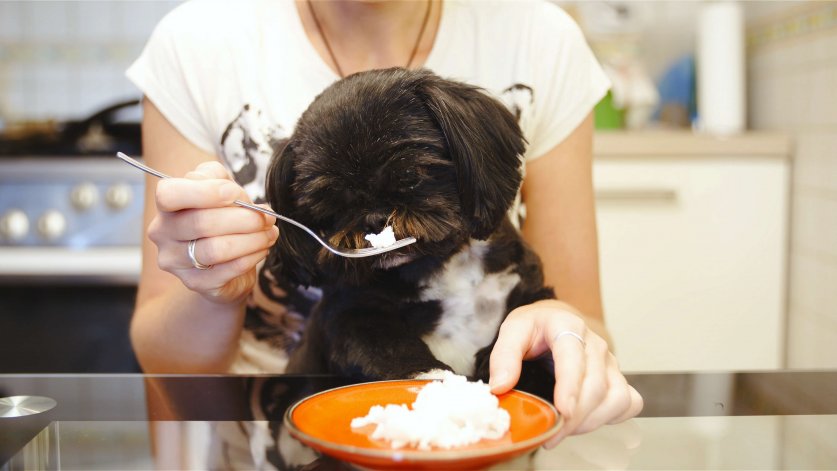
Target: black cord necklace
{"points": [[334, 58]]}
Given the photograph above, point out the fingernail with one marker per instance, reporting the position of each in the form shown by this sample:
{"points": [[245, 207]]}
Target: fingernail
{"points": [[229, 191], [498, 378]]}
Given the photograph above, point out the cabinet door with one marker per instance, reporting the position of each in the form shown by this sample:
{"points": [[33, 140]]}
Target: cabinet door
{"points": [[693, 260]]}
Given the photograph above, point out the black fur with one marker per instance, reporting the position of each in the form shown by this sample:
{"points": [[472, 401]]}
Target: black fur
{"points": [[433, 158]]}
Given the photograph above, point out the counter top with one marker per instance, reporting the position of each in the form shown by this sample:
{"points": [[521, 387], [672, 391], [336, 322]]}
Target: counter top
{"points": [[734, 420], [662, 143]]}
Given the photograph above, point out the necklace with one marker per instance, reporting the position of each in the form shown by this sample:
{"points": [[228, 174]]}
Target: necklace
{"points": [[334, 58]]}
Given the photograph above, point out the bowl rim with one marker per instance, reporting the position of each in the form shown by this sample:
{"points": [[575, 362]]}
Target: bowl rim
{"points": [[400, 455]]}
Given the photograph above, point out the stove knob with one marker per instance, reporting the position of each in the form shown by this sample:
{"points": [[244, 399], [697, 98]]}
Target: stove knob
{"points": [[14, 225], [84, 196], [52, 225], [119, 195]]}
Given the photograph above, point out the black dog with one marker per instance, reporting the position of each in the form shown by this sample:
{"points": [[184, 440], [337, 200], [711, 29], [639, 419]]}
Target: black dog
{"points": [[432, 158]]}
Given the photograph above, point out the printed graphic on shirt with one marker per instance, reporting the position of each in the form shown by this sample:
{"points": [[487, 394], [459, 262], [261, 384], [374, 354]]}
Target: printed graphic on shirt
{"points": [[247, 146], [520, 100]]}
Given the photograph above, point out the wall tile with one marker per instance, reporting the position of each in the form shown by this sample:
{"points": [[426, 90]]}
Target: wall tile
{"points": [[815, 161], [812, 341], [136, 19], [11, 26], [793, 82], [95, 20], [813, 278], [829, 117], [814, 221], [47, 21], [94, 41]]}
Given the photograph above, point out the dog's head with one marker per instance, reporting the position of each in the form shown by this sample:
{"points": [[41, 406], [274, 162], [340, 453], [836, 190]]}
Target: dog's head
{"points": [[432, 158]]}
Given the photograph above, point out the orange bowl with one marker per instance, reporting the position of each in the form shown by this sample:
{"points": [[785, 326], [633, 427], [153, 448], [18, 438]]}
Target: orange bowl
{"points": [[323, 422]]}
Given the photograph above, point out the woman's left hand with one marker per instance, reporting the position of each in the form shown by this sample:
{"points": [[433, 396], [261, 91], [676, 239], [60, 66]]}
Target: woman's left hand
{"points": [[590, 390]]}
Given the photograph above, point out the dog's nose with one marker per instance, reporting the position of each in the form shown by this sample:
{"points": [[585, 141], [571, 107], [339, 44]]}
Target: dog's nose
{"points": [[374, 223]]}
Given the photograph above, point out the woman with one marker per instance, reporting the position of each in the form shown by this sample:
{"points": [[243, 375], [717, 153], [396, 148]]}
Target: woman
{"points": [[223, 80]]}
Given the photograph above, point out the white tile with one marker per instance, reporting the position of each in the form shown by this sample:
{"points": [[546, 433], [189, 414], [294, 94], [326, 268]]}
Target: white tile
{"points": [[95, 20], [47, 21], [777, 97], [783, 58], [817, 105], [812, 281], [52, 88], [15, 105], [812, 343], [815, 161], [137, 19], [796, 101], [829, 166], [100, 86], [11, 24], [814, 221], [822, 48], [829, 116]]}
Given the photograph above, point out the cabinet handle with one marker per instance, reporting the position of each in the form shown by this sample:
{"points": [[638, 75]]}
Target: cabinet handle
{"points": [[636, 194]]}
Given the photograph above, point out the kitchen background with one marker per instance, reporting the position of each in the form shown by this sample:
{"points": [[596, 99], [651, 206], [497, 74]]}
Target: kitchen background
{"points": [[719, 250]]}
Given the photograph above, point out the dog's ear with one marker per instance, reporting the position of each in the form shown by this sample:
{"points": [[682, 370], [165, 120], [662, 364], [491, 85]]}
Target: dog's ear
{"points": [[486, 146], [292, 256]]}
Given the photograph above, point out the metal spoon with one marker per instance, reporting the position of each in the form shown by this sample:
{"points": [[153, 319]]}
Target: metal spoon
{"points": [[350, 253]]}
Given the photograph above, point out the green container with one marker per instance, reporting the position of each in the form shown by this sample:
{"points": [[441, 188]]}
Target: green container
{"points": [[608, 116]]}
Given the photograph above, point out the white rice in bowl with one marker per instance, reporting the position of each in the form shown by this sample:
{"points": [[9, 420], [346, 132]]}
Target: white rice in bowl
{"points": [[450, 413]]}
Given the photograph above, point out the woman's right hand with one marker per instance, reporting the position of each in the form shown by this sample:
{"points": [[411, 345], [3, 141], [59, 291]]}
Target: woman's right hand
{"points": [[233, 240]]}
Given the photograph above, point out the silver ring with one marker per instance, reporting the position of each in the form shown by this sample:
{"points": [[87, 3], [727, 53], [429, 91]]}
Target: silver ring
{"points": [[191, 252], [571, 334]]}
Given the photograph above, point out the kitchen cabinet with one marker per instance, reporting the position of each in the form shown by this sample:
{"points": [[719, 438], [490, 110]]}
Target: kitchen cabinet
{"points": [[693, 235]]}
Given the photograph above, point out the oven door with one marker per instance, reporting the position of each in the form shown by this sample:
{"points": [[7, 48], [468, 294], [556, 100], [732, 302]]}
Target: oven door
{"points": [[70, 231]]}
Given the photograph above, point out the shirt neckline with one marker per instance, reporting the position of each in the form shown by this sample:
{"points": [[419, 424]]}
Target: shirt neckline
{"points": [[315, 58]]}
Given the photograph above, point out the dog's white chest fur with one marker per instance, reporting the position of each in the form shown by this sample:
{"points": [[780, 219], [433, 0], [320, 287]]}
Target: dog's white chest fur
{"points": [[473, 305]]}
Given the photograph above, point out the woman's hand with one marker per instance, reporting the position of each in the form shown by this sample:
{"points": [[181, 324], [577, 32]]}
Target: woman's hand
{"points": [[232, 240], [590, 391]]}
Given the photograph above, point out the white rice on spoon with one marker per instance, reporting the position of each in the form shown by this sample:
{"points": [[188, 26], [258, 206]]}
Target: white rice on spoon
{"points": [[383, 239]]}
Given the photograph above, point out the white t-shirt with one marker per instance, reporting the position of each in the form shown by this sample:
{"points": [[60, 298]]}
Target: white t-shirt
{"points": [[234, 77]]}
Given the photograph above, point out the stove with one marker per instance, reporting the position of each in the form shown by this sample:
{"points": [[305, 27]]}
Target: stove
{"points": [[69, 209], [70, 235], [70, 217]]}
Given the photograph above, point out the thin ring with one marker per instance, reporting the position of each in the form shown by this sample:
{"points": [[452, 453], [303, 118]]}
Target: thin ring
{"points": [[191, 252], [571, 334]]}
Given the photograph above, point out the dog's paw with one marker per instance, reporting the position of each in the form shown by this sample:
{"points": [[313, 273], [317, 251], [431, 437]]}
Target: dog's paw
{"points": [[433, 374]]}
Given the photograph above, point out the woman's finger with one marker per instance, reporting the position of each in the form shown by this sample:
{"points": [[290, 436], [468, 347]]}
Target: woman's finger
{"points": [[615, 402], [570, 368], [215, 281], [200, 223], [635, 408], [213, 169], [593, 389], [514, 342], [175, 194], [222, 249]]}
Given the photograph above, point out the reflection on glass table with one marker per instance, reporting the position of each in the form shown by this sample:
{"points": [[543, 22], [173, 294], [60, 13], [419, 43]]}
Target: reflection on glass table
{"points": [[767, 420]]}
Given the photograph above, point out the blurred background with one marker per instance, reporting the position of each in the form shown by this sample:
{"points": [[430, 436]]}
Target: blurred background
{"points": [[715, 168]]}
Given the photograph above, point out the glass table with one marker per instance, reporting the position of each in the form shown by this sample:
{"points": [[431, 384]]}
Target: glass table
{"points": [[729, 420]]}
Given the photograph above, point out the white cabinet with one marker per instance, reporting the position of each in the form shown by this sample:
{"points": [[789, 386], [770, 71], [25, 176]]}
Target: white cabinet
{"points": [[693, 244]]}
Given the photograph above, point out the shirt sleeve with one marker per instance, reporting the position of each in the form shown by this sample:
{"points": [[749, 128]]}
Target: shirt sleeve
{"points": [[168, 71], [569, 81]]}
